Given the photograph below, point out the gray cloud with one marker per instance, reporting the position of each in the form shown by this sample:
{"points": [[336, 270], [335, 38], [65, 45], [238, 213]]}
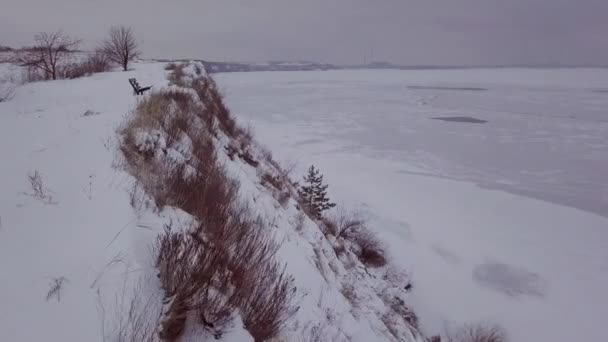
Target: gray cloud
{"points": [[340, 31]]}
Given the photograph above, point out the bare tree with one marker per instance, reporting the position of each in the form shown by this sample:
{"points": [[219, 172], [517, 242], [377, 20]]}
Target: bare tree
{"points": [[121, 47], [47, 54]]}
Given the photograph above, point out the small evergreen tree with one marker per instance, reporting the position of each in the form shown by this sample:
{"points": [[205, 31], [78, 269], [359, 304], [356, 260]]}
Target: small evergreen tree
{"points": [[314, 193]]}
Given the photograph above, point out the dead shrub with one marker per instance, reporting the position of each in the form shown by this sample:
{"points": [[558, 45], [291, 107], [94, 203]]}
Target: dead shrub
{"points": [[274, 181], [225, 262], [186, 269], [220, 270], [370, 250], [343, 223], [7, 90], [94, 63], [249, 159], [207, 193], [171, 66], [98, 62], [398, 306], [268, 304], [131, 317], [477, 333], [32, 74]]}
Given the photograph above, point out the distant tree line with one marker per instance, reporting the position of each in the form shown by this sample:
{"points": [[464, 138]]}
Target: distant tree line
{"points": [[50, 57]]}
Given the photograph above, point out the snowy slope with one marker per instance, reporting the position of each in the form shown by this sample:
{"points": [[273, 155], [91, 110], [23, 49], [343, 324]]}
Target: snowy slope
{"points": [[43, 128], [537, 268], [75, 254]]}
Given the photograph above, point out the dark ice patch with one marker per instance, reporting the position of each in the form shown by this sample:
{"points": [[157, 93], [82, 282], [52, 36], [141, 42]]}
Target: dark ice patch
{"points": [[307, 142], [447, 88], [464, 119], [509, 280]]}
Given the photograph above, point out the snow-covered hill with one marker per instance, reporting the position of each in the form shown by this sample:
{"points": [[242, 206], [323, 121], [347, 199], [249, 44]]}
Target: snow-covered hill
{"points": [[76, 248]]}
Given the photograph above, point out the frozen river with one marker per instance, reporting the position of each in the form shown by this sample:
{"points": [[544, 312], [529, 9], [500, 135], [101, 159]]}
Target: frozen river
{"points": [[541, 133], [490, 186]]}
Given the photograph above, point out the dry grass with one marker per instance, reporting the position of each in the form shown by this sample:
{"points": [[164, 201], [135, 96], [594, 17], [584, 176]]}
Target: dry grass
{"points": [[186, 270], [225, 263], [477, 333], [131, 317], [214, 102]]}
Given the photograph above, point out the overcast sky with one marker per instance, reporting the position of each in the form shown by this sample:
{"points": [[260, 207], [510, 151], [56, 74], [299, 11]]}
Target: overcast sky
{"points": [[463, 32]]}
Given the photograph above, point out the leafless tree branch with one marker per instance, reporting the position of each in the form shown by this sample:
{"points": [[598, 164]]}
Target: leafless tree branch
{"points": [[121, 46], [48, 52]]}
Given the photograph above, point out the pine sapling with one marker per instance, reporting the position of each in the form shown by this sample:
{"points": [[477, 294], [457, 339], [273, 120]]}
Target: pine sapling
{"points": [[314, 193]]}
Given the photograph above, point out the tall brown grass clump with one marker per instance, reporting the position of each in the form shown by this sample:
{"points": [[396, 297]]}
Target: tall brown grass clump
{"points": [[224, 263]]}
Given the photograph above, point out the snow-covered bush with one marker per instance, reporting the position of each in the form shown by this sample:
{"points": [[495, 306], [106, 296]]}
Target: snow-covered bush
{"points": [[370, 249]]}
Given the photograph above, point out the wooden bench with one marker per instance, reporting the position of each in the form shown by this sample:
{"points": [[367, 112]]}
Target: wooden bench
{"points": [[137, 90]]}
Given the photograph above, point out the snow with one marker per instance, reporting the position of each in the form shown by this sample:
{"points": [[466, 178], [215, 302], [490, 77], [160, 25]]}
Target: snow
{"points": [[91, 231], [503, 222], [86, 230]]}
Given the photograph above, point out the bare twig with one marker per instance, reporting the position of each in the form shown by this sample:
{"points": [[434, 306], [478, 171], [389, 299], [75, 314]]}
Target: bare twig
{"points": [[39, 191], [56, 286]]}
